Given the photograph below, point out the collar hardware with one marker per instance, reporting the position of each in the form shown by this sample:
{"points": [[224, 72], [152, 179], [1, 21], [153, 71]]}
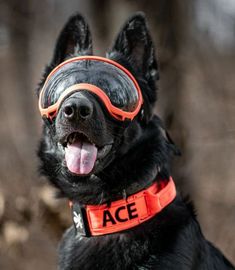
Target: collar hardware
{"points": [[80, 220]]}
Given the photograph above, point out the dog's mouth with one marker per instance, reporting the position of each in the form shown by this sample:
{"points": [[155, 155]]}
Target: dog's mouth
{"points": [[81, 154]]}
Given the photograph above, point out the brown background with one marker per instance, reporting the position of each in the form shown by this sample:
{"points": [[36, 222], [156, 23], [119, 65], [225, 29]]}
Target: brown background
{"points": [[196, 50]]}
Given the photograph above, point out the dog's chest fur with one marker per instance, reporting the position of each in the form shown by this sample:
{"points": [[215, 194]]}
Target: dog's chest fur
{"points": [[172, 240], [145, 247]]}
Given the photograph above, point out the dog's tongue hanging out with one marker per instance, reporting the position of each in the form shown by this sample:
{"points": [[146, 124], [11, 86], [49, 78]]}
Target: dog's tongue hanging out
{"points": [[80, 157]]}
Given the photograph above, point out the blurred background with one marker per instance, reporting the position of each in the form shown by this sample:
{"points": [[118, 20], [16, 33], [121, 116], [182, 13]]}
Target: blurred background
{"points": [[195, 43]]}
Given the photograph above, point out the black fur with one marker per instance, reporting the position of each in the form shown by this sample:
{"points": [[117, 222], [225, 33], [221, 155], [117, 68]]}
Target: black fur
{"points": [[140, 154]]}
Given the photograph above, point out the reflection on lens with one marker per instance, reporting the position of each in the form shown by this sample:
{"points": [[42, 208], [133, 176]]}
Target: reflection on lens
{"points": [[114, 82]]}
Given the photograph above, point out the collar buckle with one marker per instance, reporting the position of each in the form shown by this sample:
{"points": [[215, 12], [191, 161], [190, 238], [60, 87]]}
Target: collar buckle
{"points": [[80, 220]]}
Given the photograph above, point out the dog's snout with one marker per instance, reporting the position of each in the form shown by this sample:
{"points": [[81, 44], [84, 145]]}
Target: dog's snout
{"points": [[77, 107]]}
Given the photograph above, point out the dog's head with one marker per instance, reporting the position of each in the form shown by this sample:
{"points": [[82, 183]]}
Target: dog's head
{"points": [[84, 148]]}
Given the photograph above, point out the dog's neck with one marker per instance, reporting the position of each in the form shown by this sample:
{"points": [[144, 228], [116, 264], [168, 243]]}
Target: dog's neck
{"points": [[95, 220], [146, 162]]}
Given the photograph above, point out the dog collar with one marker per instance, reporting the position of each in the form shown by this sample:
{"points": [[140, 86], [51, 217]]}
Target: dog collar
{"points": [[94, 220]]}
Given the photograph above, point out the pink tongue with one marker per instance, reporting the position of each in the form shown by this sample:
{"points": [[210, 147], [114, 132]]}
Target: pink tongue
{"points": [[80, 157]]}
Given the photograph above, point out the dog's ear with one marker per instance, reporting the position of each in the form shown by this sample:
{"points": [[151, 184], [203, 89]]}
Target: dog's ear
{"points": [[134, 47], [135, 44], [74, 40]]}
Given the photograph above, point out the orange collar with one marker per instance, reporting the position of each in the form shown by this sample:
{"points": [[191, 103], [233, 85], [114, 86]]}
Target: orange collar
{"points": [[93, 220]]}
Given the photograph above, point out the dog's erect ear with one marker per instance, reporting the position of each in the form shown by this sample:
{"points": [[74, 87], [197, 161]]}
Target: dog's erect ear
{"points": [[74, 40], [135, 44]]}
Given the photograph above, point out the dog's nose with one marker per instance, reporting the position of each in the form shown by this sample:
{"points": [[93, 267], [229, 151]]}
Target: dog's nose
{"points": [[77, 107]]}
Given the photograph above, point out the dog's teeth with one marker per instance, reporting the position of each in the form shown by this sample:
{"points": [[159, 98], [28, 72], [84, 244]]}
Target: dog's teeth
{"points": [[91, 141], [61, 147], [74, 137], [71, 139], [64, 163]]}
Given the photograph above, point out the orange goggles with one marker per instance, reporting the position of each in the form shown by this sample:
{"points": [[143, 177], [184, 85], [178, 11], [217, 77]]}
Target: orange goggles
{"points": [[116, 100]]}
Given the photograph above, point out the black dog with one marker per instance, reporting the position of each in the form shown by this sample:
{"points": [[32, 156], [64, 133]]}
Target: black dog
{"points": [[99, 157]]}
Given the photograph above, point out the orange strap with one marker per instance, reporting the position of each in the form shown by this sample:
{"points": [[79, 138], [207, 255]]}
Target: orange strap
{"points": [[125, 214], [117, 113]]}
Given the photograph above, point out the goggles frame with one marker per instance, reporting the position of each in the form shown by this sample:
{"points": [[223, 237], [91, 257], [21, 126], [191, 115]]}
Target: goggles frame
{"points": [[51, 111]]}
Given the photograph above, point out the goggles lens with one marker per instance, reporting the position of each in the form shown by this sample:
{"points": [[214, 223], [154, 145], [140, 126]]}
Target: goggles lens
{"points": [[120, 93]]}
